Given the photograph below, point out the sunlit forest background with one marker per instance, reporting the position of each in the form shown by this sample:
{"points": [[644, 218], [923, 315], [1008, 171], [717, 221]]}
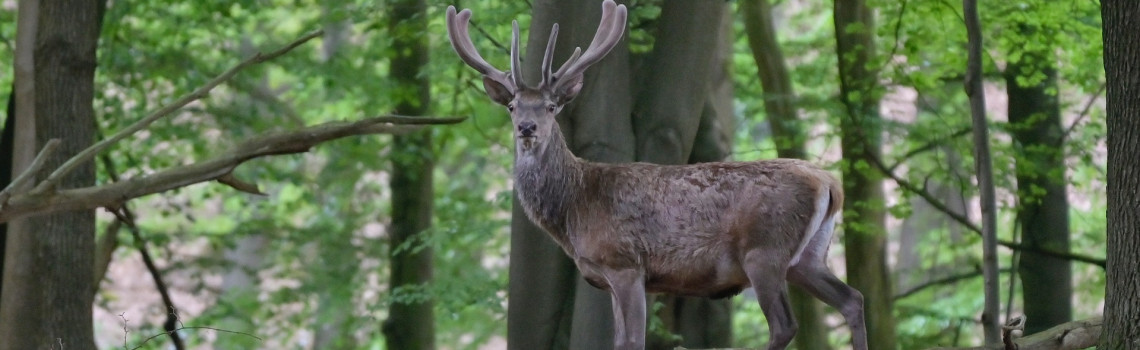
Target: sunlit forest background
{"points": [[307, 266]]}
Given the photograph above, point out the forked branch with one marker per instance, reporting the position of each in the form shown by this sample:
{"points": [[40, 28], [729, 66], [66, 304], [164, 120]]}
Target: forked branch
{"points": [[297, 141]]}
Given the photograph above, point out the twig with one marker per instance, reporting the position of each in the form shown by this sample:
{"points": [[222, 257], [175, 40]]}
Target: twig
{"points": [[945, 280], [1084, 111], [240, 185], [196, 327], [928, 146], [124, 215], [297, 141], [52, 180], [30, 172], [965, 222]]}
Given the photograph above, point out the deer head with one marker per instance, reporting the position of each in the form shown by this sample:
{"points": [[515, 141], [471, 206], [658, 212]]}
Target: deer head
{"points": [[533, 109]]}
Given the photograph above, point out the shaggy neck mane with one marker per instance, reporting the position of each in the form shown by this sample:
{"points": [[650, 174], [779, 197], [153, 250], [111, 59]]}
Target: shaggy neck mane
{"points": [[548, 179]]}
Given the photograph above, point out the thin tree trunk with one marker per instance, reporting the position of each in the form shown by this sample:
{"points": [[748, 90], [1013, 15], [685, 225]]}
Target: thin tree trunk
{"points": [[864, 215], [984, 167], [410, 325], [48, 260], [788, 136], [1043, 206], [1122, 70]]}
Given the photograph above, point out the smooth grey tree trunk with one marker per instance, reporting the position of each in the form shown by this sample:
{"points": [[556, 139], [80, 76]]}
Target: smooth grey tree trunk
{"points": [[47, 279], [410, 326], [864, 234], [788, 136], [1043, 204], [1122, 71], [675, 81]]}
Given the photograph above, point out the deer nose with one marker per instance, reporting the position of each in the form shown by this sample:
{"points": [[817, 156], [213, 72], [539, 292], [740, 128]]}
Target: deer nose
{"points": [[526, 129]]}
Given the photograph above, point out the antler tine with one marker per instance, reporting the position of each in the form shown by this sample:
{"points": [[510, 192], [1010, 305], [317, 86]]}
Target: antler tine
{"points": [[610, 30], [516, 65], [569, 62], [461, 41], [549, 55]]}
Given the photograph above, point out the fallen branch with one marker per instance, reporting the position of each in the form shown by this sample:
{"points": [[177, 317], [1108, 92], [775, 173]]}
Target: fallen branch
{"points": [[114, 194], [1082, 334]]}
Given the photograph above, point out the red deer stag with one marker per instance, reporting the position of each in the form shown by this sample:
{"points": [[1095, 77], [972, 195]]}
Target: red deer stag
{"points": [[706, 229]]}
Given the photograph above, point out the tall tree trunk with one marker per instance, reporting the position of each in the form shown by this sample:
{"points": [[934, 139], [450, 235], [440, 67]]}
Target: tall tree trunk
{"points": [[703, 322], [676, 79], [1122, 70], [1043, 206], [789, 138], [48, 259], [7, 148], [864, 236], [410, 325]]}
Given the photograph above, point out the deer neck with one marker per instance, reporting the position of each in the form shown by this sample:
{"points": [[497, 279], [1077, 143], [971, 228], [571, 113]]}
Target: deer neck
{"points": [[548, 177]]}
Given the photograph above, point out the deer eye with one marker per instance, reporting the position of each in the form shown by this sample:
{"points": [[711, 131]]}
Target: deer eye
{"points": [[511, 107], [551, 108]]}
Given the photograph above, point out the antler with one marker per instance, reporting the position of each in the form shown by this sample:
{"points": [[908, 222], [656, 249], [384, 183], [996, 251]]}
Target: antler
{"points": [[610, 30], [461, 42]]}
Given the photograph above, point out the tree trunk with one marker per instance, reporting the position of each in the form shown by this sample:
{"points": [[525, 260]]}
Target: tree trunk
{"points": [[410, 325], [788, 136], [1043, 206], [7, 148], [864, 236], [677, 78], [1122, 70], [48, 259], [983, 165]]}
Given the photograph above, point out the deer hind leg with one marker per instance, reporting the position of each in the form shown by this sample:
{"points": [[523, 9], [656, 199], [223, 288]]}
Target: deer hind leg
{"points": [[765, 269], [811, 273], [627, 287]]}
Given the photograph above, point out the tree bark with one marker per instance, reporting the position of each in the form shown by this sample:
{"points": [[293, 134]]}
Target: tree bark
{"points": [[1122, 70], [669, 105], [410, 325], [864, 215], [677, 77], [48, 259], [788, 136], [1043, 206]]}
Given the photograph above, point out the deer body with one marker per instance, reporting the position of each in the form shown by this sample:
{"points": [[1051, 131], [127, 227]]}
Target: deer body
{"points": [[709, 229], [686, 226]]}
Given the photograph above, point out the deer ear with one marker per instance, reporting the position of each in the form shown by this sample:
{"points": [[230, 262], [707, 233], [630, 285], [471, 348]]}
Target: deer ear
{"points": [[568, 89], [498, 93]]}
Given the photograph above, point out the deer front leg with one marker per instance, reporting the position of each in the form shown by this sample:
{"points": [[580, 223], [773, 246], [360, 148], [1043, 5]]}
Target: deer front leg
{"points": [[627, 287]]}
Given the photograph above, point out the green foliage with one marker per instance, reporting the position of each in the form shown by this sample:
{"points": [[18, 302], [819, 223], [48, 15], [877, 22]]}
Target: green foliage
{"points": [[317, 245]]}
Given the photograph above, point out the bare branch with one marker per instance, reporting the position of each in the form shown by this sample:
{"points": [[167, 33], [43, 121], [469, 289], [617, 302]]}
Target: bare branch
{"points": [[961, 218], [125, 216], [29, 173], [297, 141], [240, 185], [87, 154]]}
